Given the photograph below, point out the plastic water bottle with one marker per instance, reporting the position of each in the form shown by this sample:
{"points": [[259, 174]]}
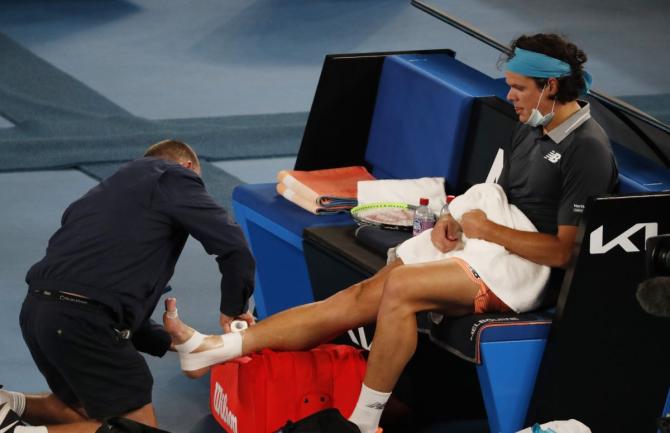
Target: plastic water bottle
{"points": [[423, 217], [445, 208], [434, 317]]}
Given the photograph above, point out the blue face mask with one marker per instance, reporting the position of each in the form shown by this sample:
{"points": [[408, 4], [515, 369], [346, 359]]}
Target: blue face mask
{"points": [[536, 118]]}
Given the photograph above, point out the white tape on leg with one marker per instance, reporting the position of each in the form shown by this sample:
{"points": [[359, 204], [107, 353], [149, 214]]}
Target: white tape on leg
{"points": [[191, 344], [230, 348]]}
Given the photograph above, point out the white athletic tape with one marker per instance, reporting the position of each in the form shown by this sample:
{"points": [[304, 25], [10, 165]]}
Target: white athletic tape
{"points": [[229, 349], [191, 344], [172, 314]]}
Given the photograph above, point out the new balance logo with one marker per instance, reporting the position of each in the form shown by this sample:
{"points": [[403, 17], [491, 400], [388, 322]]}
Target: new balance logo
{"points": [[596, 245], [552, 156], [376, 405]]}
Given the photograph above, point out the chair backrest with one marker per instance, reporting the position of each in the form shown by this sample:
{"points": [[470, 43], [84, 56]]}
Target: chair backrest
{"points": [[639, 174], [492, 123], [642, 149], [422, 114], [338, 126]]}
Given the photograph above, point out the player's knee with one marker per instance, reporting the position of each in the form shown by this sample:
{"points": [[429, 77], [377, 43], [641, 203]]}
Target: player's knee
{"points": [[396, 289], [353, 295]]}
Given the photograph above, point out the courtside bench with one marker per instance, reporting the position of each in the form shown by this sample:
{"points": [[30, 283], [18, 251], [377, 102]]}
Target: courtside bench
{"points": [[426, 104], [419, 115], [421, 110], [507, 349]]}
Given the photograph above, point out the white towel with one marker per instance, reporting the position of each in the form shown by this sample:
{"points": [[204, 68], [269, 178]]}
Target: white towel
{"points": [[518, 282], [569, 426], [404, 190]]}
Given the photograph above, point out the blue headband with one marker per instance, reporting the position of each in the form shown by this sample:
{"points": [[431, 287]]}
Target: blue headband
{"points": [[538, 65]]}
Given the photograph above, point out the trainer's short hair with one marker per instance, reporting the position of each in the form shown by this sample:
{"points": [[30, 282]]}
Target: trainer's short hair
{"points": [[174, 150]]}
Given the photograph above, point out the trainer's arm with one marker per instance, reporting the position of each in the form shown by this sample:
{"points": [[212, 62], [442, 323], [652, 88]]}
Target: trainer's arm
{"points": [[182, 195], [542, 248]]}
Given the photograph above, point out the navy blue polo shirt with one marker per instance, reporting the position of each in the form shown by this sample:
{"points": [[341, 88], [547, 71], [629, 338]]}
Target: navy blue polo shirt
{"points": [[549, 176], [119, 243]]}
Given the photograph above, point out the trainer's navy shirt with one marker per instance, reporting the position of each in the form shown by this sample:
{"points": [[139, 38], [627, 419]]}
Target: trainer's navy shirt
{"points": [[119, 243], [550, 176]]}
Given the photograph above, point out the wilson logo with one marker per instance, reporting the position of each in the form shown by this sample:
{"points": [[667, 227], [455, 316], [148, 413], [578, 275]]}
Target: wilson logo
{"points": [[220, 403], [596, 245]]}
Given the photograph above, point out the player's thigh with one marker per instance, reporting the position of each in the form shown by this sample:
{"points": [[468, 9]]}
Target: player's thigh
{"points": [[363, 298], [434, 286]]}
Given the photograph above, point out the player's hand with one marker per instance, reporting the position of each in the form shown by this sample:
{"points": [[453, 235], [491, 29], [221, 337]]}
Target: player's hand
{"points": [[446, 233], [226, 321], [474, 224]]}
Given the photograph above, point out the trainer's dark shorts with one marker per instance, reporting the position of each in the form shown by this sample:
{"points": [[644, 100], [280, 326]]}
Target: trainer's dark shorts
{"points": [[82, 358]]}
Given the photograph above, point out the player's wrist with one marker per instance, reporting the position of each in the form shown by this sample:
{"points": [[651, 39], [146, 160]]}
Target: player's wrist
{"points": [[488, 230]]}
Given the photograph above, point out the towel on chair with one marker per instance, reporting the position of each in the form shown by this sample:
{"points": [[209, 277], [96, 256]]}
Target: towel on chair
{"points": [[404, 191], [518, 282], [324, 191]]}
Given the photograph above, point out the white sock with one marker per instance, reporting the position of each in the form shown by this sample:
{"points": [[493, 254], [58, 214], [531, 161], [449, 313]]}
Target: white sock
{"points": [[369, 409], [16, 400], [25, 429]]}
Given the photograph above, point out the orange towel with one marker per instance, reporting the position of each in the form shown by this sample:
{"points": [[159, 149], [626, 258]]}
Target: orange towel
{"points": [[322, 191]]}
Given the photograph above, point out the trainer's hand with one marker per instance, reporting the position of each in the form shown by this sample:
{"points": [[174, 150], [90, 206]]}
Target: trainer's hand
{"points": [[225, 321], [474, 224], [446, 233], [247, 317]]}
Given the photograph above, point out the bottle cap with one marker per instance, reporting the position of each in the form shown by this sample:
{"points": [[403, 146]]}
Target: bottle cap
{"points": [[450, 198], [423, 201]]}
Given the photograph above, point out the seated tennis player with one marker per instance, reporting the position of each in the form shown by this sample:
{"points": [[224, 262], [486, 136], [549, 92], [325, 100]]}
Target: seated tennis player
{"points": [[558, 157]]}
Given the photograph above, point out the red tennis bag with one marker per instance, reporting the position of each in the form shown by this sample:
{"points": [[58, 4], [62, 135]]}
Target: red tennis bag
{"points": [[260, 392]]}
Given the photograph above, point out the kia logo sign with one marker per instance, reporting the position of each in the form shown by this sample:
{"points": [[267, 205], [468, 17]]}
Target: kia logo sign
{"points": [[596, 245]]}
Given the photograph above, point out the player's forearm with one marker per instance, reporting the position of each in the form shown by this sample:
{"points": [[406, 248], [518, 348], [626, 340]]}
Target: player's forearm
{"points": [[541, 248]]}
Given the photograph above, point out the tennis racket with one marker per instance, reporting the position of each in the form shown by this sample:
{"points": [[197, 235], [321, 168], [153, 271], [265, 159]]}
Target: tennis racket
{"points": [[385, 215]]}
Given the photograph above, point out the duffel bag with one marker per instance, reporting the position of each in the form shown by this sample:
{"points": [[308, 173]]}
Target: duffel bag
{"points": [[261, 392]]}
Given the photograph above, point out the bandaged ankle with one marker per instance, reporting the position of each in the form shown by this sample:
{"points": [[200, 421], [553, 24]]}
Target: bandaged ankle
{"points": [[369, 409], [230, 347], [16, 400]]}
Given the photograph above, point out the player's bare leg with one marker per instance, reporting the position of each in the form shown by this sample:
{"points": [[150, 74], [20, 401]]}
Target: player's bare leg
{"points": [[297, 328]]}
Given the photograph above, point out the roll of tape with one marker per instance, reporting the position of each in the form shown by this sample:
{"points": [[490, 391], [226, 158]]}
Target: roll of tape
{"points": [[238, 325]]}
